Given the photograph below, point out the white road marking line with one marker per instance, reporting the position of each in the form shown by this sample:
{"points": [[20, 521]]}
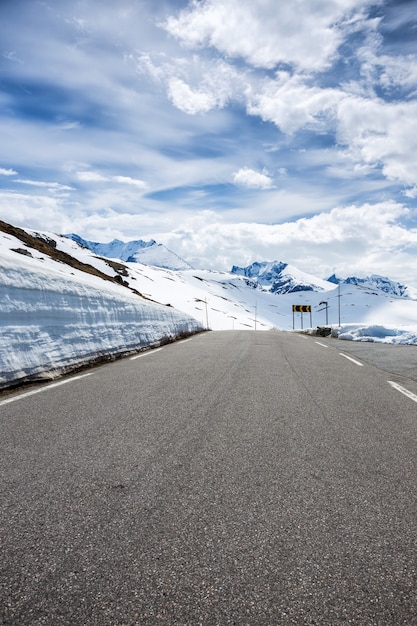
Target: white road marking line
{"points": [[321, 344], [139, 356], [51, 386], [403, 390], [351, 359]]}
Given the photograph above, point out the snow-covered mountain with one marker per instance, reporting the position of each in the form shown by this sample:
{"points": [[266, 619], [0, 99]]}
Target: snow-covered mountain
{"points": [[376, 282], [279, 278], [275, 277], [137, 251]]}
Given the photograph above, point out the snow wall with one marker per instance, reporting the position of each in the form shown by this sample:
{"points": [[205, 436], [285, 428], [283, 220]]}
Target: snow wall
{"points": [[51, 323]]}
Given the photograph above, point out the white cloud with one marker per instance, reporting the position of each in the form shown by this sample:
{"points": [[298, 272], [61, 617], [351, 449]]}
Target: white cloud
{"points": [[411, 192], [69, 125], [41, 183], [11, 56], [381, 134], [398, 71], [267, 33], [291, 104], [188, 100], [388, 71], [91, 177], [157, 69], [7, 172], [194, 84], [252, 179], [357, 239], [127, 180], [40, 211]]}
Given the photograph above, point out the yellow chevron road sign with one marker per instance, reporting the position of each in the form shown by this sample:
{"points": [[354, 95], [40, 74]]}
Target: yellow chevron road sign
{"points": [[301, 308]]}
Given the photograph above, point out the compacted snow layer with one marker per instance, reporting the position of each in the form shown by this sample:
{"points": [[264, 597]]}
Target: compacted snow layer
{"points": [[54, 318]]}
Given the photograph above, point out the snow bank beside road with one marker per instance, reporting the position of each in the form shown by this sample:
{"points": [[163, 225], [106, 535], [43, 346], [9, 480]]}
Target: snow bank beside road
{"points": [[377, 333], [53, 318]]}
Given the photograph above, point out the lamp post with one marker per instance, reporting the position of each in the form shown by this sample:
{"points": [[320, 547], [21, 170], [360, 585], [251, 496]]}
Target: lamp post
{"points": [[233, 318], [338, 297], [207, 323], [204, 302], [326, 304]]}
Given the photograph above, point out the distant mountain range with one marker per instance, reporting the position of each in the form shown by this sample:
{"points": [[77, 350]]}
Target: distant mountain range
{"points": [[275, 277], [280, 278], [137, 251]]}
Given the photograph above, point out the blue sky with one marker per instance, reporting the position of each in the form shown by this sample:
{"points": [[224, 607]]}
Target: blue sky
{"points": [[231, 131]]}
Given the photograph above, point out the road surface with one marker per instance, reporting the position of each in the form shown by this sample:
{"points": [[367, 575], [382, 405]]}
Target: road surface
{"points": [[258, 478]]}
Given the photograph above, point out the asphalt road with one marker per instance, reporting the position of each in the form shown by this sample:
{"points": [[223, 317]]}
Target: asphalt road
{"points": [[400, 359], [256, 478]]}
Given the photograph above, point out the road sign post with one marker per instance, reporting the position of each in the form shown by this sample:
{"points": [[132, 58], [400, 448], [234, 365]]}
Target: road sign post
{"points": [[301, 308]]}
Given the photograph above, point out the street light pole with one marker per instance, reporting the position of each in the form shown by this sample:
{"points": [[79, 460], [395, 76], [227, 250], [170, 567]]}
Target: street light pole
{"points": [[338, 297], [204, 302], [326, 304], [207, 323]]}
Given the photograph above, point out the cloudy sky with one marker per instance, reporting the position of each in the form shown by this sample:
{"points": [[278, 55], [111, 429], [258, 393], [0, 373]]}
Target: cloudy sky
{"points": [[230, 130]]}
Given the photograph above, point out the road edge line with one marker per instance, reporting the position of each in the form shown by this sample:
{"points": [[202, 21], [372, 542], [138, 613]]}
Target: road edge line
{"points": [[403, 390], [139, 356], [351, 359], [50, 386]]}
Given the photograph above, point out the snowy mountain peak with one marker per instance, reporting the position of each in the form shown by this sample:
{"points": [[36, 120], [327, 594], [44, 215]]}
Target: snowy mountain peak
{"points": [[137, 251], [115, 249], [334, 279], [279, 278], [262, 270]]}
